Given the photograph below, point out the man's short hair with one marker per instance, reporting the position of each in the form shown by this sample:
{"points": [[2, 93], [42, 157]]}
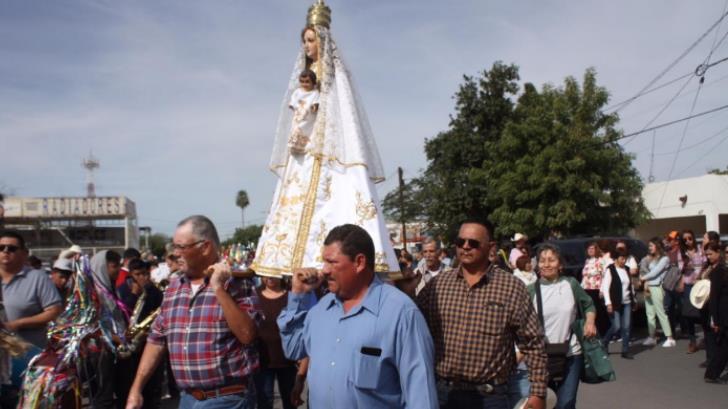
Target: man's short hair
{"points": [[137, 264], [113, 257], [12, 234], [621, 253], [483, 222], [202, 228], [353, 240], [430, 240], [131, 254]]}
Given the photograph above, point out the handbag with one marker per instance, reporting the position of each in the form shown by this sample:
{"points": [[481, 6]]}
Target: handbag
{"points": [[556, 352], [672, 278], [597, 367]]}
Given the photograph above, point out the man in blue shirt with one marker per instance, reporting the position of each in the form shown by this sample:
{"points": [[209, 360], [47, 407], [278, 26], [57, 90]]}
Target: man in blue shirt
{"points": [[368, 342]]}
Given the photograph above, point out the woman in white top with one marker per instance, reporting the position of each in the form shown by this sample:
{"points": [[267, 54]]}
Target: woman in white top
{"points": [[561, 297], [618, 296]]}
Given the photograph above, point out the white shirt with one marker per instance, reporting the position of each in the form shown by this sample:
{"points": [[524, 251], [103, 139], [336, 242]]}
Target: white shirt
{"points": [[559, 312], [528, 277], [160, 273], [428, 275], [607, 282]]}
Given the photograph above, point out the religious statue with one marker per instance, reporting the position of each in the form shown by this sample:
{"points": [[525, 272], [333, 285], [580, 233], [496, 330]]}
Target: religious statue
{"points": [[326, 159]]}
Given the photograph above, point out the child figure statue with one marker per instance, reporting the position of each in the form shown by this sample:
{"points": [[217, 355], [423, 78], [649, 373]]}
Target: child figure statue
{"points": [[304, 103]]}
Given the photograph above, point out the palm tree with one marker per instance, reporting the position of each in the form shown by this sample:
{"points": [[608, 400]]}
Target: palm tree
{"points": [[242, 202]]}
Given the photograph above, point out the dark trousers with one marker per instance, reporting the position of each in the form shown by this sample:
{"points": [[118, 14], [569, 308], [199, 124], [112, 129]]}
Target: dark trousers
{"points": [[126, 371], [673, 308], [718, 361], [499, 399], [264, 381], [708, 333], [9, 397], [100, 372], [603, 323], [687, 324]]}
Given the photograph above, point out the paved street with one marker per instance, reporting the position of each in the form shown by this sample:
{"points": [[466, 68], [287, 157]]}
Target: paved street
{"points": [[658, 378]]}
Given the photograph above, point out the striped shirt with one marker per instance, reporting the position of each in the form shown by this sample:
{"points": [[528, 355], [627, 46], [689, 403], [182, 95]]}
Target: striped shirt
{"points": [[475, 328], [203, 351]]}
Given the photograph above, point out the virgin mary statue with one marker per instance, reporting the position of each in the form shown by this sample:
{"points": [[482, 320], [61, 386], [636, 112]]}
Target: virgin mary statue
{"points": [[326, 160]]}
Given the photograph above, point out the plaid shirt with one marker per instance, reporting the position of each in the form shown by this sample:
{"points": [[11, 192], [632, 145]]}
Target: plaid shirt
{"points": [[203, 351], [475, 328]]}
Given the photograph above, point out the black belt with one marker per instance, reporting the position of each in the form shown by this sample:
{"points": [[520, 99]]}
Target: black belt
{"points": [[486, 388]]}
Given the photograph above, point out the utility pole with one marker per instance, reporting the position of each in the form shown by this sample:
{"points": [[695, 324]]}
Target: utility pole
{"points": [[401, 208]]}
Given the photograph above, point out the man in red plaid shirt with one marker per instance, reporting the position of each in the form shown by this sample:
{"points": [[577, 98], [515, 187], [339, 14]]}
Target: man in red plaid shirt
{"points": [[208, 324]]}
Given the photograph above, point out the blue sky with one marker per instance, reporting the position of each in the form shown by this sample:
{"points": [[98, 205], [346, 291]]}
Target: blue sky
{"points": [[179, 99]]}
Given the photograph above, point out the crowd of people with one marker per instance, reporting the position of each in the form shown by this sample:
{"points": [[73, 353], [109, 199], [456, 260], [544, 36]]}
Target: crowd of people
{"points": [[483, 326]]}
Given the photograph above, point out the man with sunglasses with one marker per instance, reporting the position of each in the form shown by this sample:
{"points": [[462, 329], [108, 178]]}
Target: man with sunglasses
{"points": [[208, 323], [476, 313], [31, 300]]}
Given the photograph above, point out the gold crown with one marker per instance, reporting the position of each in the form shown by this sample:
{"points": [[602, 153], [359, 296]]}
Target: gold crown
{"points": [[319, 14]]}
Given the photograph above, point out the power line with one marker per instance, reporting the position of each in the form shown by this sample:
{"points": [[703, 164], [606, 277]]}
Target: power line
{"points": [[664, 108], [672, 65], [715, 135], [720, 108], [701, 158]]}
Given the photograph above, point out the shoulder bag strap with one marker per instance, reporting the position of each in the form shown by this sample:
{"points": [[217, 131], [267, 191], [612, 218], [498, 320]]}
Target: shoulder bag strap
{"points": [[539, 303]]}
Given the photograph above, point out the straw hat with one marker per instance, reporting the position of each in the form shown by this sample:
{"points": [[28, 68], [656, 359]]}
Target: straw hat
{"points": [[519, 237], [700, 292]]}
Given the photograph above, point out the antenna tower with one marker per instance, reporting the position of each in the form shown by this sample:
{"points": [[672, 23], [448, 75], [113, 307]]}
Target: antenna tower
{"points": [[90, 164]]}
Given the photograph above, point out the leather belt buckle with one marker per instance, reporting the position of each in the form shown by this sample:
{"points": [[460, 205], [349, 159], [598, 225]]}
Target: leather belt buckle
{"points": [[198, 394]]}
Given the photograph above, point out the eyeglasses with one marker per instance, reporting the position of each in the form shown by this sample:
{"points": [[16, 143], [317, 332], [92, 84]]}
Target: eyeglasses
{"points": [[8, 248], [460, 242], [172, 257], [182, 247]]}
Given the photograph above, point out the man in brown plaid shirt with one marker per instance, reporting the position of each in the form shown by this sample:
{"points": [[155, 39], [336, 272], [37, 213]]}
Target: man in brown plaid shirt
{"points": [[476, 313]]}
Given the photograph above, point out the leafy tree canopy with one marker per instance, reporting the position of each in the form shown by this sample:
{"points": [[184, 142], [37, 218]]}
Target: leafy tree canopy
{"points": [[248, 234], [538, 162]]}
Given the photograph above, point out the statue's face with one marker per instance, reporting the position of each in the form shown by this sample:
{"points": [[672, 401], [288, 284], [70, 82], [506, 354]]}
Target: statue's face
{"points": [[310, 44]]}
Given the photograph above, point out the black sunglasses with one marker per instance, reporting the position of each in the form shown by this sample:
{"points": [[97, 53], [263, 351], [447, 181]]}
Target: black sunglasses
{"points": [[460, 242], [8, 248]]}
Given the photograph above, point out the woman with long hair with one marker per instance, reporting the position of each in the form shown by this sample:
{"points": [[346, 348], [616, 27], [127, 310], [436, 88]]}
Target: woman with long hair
{"points": [[654, 269], [591, 282], [690, 261], [718, 308]]}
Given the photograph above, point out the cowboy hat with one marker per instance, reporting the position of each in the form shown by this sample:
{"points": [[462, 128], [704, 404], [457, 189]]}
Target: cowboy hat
{"points": [[519, 236], [700, 292]]}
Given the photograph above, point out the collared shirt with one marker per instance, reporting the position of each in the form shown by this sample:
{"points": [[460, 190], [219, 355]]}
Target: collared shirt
{"points": [[377, 355], [475, 328], [29, 293], [204, 353], [428, 275]]}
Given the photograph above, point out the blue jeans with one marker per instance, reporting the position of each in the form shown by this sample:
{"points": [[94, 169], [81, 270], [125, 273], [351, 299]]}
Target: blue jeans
{"points": [[240, 401], [621, 323], [474, 400], [566, 390], [518, 386], [264, 381]]}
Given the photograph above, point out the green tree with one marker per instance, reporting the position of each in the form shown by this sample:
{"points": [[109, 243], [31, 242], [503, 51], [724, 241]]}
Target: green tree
{"points": [[557, 171], [245, 235], [538, 164], [157, 243], [718, 171], [413, 206], [242, 201]]}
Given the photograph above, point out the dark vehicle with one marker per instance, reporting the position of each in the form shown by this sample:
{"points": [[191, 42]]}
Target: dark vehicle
{"points": [[574, 251]]}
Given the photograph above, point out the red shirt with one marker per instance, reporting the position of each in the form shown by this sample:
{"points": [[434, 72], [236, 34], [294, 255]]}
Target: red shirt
{"points": [[203, 351]]}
